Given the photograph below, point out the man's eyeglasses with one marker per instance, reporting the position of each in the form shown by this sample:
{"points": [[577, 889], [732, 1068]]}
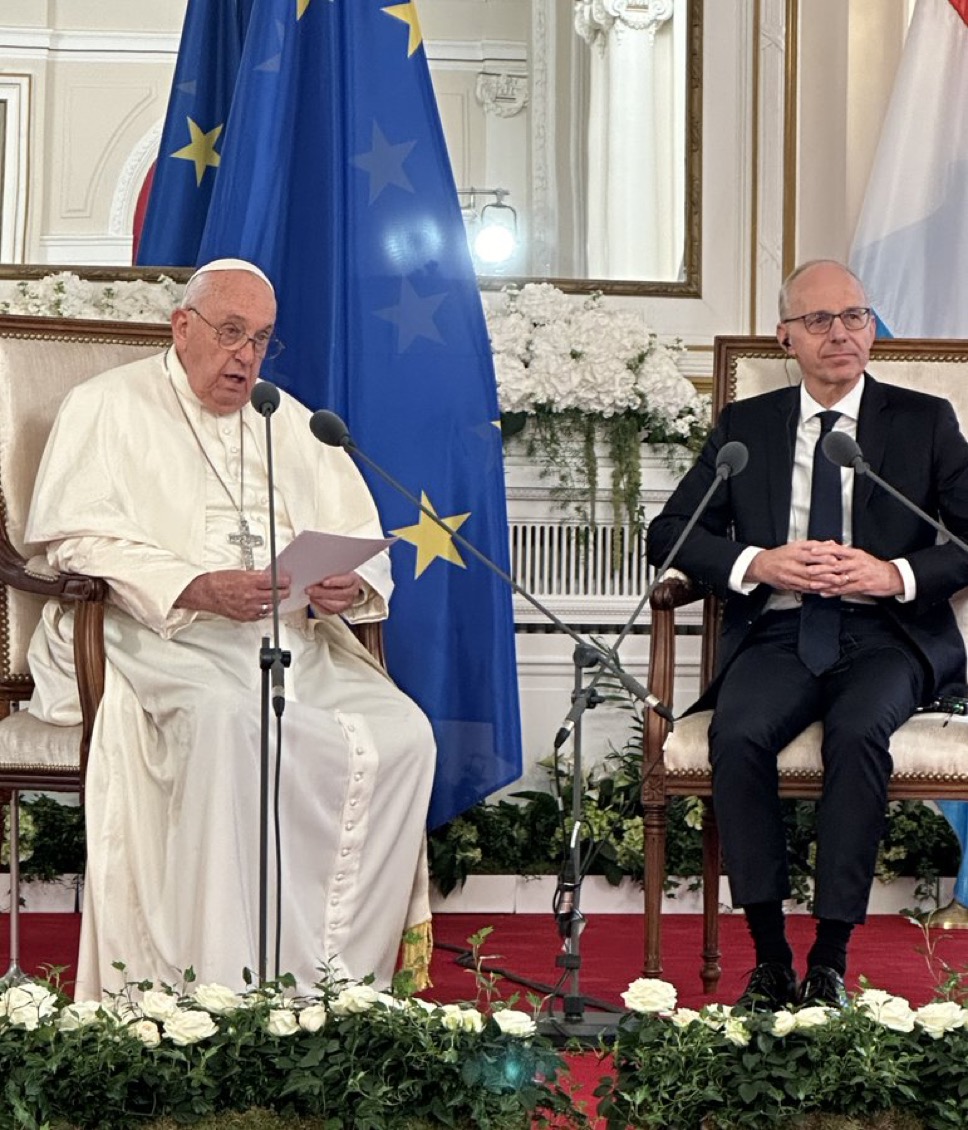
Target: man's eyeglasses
{"points": [[233, 337], [820, 321]]}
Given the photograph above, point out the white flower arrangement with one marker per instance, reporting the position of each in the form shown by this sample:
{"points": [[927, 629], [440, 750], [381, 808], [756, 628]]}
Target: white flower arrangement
{"points": [[64, 294], [156, 1053], [717, 1067], [581, 371], [554, 353]]}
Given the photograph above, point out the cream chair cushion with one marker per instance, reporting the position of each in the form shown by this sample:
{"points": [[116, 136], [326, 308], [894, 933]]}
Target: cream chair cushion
{"points": [[40, 361]]}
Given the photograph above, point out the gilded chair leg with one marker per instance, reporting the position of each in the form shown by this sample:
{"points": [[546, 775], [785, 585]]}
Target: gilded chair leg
{"points": [[14, 974]]}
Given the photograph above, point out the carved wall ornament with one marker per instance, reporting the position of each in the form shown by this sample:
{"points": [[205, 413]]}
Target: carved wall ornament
{"points": [[501, 93], [596, 19]]}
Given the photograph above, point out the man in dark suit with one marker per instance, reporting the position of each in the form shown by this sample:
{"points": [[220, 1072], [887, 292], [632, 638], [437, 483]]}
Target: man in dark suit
{"points": [[836, 608]]}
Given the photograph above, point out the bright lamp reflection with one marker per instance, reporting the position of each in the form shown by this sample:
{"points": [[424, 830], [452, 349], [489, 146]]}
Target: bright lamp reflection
{"points": [[494, 244]]}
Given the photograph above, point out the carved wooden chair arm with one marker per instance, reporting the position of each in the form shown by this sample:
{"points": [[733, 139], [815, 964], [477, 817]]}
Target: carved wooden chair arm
{"points": [[370, 635], [670, 593], [88, 595]]}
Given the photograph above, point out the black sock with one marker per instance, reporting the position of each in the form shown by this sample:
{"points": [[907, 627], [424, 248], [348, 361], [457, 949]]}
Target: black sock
{"points": [[830, 947], [768, 930]]}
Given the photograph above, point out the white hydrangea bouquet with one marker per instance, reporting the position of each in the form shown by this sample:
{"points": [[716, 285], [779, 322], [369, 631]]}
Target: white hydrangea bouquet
{"points": [[578, 371], [64, 294]]}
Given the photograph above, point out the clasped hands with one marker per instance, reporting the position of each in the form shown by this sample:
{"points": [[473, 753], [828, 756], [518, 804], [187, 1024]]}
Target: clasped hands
{"points": [[825, 568], [240, 594]]}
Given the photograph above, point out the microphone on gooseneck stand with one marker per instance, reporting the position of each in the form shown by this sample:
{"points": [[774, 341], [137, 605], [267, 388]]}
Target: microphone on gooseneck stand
{"points": [[265, 400], [731, 459], [842, 449], [272, 663], [330, 429]]}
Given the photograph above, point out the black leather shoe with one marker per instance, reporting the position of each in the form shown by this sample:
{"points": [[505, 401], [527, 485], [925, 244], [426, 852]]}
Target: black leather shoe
{"points": [[771, 986], [823, 986]]}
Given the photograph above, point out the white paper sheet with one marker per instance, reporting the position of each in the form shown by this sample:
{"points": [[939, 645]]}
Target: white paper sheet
{"points": [[313, 555]]}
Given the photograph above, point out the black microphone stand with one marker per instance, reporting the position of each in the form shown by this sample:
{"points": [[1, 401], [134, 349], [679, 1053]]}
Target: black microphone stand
{"points": [[330, 429], [578, 1023], [272, 663]]}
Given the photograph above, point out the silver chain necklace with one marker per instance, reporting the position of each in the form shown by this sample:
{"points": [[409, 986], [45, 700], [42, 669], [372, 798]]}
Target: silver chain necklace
{"points": [[244, 538]]}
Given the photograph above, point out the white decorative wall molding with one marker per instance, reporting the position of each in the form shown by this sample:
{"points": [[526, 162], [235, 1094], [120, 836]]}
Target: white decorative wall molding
{"points": [[471, 53], [15, 99], [96, 250], [130, 180], [90, 45], [770, 122], [544, 217], [502, 93]]}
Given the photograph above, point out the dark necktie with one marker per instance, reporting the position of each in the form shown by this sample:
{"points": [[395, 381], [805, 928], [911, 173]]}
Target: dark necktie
{"points": [[819, 642]]}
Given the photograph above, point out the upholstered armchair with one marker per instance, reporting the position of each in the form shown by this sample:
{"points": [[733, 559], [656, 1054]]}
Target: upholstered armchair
{"points": [[40, 361], [930, 758]]}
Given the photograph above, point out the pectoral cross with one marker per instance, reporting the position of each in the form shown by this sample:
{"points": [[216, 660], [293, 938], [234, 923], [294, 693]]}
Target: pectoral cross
{"points": [[245, 540]]}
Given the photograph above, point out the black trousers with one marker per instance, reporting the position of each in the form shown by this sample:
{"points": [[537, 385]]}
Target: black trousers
{"points": [[765, 699]]}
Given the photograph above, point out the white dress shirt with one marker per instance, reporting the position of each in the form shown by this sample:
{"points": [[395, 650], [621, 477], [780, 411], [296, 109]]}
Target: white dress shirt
{"points": [[808, 432]]}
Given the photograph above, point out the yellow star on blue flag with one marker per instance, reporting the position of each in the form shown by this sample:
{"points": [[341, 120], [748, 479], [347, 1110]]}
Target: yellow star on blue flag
{"points": [[432, 541], [201, 149], [408, 13]]}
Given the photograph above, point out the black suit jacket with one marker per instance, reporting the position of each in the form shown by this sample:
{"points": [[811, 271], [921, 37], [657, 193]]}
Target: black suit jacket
{"points": [[910, 439]]}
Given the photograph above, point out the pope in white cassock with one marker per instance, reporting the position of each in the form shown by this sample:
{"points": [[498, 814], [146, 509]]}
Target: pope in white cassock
{"points": [[155, 478]]}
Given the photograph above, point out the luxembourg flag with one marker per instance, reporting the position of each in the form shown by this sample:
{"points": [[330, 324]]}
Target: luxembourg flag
{"points": [[911, 237], [910, 244]]}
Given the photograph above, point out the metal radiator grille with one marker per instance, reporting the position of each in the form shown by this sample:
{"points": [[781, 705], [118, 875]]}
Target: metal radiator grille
{"points": [[575, 571]]}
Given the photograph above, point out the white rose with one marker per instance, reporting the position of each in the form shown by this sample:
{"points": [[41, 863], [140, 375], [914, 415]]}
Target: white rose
{"points": [[355, 998], [390, 1001], [79, 1015], [458, 1019], [450, 1017], [26, 1005], [282, 1022], [683, 1017], [312, 1018], [217, 998], [893, 1012], [158, 1005], [872, 998], [514, 1023], [813, 1017], [736, 1032], [189, 1026], [784, 1022], [147, 1032], [650, 995], [940, 1017]]}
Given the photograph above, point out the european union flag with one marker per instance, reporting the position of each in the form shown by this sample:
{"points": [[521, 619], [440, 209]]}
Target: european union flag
{"points": [[334, 178], [198, 108]]}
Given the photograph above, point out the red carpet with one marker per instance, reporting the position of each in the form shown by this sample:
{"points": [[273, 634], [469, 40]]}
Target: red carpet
{"points": [[889, 951]]}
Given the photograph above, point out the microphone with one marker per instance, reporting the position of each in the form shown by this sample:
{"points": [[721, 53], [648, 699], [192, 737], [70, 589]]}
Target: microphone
{"points": [[733, 457], [330, 429], [843, 450], [730, 460], [264, 398]]}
